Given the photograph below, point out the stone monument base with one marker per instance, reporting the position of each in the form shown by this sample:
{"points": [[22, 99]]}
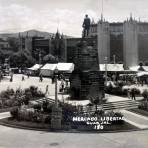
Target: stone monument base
{"points": [[56, 118]]}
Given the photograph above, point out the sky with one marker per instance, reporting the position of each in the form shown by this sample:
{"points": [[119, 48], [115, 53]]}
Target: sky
{"points": [[66, 15]]}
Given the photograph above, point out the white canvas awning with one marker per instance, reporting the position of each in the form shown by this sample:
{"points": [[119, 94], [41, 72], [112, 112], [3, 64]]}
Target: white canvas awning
{"points": [[137, 68], [112, 67], [49, 67], [67, 67], [35, 67], [143, 73]]}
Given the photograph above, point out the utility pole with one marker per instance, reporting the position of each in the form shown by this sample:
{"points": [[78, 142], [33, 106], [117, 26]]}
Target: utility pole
{"points": [[56, 87], [105, 59]]}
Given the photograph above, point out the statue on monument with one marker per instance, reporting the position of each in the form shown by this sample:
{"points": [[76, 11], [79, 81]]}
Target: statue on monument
{"points": [[86, 26]]}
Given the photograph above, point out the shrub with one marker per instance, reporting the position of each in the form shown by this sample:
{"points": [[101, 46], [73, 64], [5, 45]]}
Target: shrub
{"points": [[14, 113], [47, 119], [35, 92], [143, 105], [137, 91], [25, 113], [37, 106], [45, 105], [145, 94], [7, 93], [9, 97]]}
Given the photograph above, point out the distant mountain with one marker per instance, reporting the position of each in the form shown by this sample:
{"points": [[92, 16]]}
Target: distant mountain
{"points": [[30, 33]]}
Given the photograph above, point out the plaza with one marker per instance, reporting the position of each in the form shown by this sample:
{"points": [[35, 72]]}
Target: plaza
{"points": [[78, 82]]}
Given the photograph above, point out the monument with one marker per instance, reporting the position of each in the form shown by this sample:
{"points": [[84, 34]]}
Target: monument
{"points": [[86, 26], [86, 80]]}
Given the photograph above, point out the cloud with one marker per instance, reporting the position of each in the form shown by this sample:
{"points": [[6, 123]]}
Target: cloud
{"points": [[67, 15], [19, 18], [15, 17]]}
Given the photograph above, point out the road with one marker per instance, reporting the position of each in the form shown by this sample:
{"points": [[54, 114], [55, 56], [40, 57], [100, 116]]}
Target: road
{"points": [[19, 138]]}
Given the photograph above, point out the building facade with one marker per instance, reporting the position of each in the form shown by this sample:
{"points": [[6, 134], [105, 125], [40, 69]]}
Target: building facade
{"points": [[41, 46], [125, 42], [4, 44], [103, 41]]}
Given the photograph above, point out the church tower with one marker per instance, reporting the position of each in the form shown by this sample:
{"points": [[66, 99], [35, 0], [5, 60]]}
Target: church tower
{"points": [[58, 47]]}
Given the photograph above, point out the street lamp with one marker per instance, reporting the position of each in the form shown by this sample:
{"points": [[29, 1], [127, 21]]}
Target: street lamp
{"points": [[40, 57], [56, 95], [56, 117], [105, 59], [114, 58]]}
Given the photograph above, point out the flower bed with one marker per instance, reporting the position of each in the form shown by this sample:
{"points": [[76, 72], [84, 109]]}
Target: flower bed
{"points": [[11, 98], [39, 118], [121, 89]]}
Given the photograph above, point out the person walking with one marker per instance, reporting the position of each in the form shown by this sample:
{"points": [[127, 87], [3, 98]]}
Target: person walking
{"points": [[133, 94], [0, 75], [41, 78], [11, 76], [28, 74], [23, 78], [47, 90], [128, 93], [62, 85]]}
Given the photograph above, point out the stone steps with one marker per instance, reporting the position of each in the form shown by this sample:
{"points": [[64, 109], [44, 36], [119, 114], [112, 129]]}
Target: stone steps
{"points": [[127, 104], [44, 99]]}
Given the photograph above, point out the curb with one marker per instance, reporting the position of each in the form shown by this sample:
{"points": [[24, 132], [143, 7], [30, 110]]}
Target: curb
{"points": [[68, 131]]}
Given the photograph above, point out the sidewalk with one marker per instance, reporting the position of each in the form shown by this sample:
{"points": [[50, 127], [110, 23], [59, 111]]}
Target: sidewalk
{"points": [[135, 119], [73, 102], [110, 98], [113, 98], [4, 115]]}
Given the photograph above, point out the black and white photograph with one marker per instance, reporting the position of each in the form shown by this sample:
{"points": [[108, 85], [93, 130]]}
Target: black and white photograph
{"points": [[73, 74]]}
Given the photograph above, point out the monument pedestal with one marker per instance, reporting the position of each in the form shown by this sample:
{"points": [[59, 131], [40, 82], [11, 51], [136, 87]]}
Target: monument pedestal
{"points": [[87, 77], [56, 118]]}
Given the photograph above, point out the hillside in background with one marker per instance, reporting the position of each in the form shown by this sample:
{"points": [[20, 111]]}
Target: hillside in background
{"points": [[30, 33]]}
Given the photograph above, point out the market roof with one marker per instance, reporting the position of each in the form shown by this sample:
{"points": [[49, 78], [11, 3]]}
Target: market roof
{"points": [[112, 67], [139, 68], [35, 67], [142, 73], [60, 66], [49, 66], [65, 67]]}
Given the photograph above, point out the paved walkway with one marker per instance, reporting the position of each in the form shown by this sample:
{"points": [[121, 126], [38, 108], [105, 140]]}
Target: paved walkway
{"points": [[4, 115], [19, 138], [113, 98], [136, 119]]}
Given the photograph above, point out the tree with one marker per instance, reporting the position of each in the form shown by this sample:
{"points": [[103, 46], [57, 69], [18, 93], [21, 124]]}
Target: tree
{"points": [[22, 59], [13, 43], [2, 56], [50, 59]]}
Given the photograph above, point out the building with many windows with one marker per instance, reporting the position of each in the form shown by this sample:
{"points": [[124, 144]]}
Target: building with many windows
{"points": [[122, 42]]}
